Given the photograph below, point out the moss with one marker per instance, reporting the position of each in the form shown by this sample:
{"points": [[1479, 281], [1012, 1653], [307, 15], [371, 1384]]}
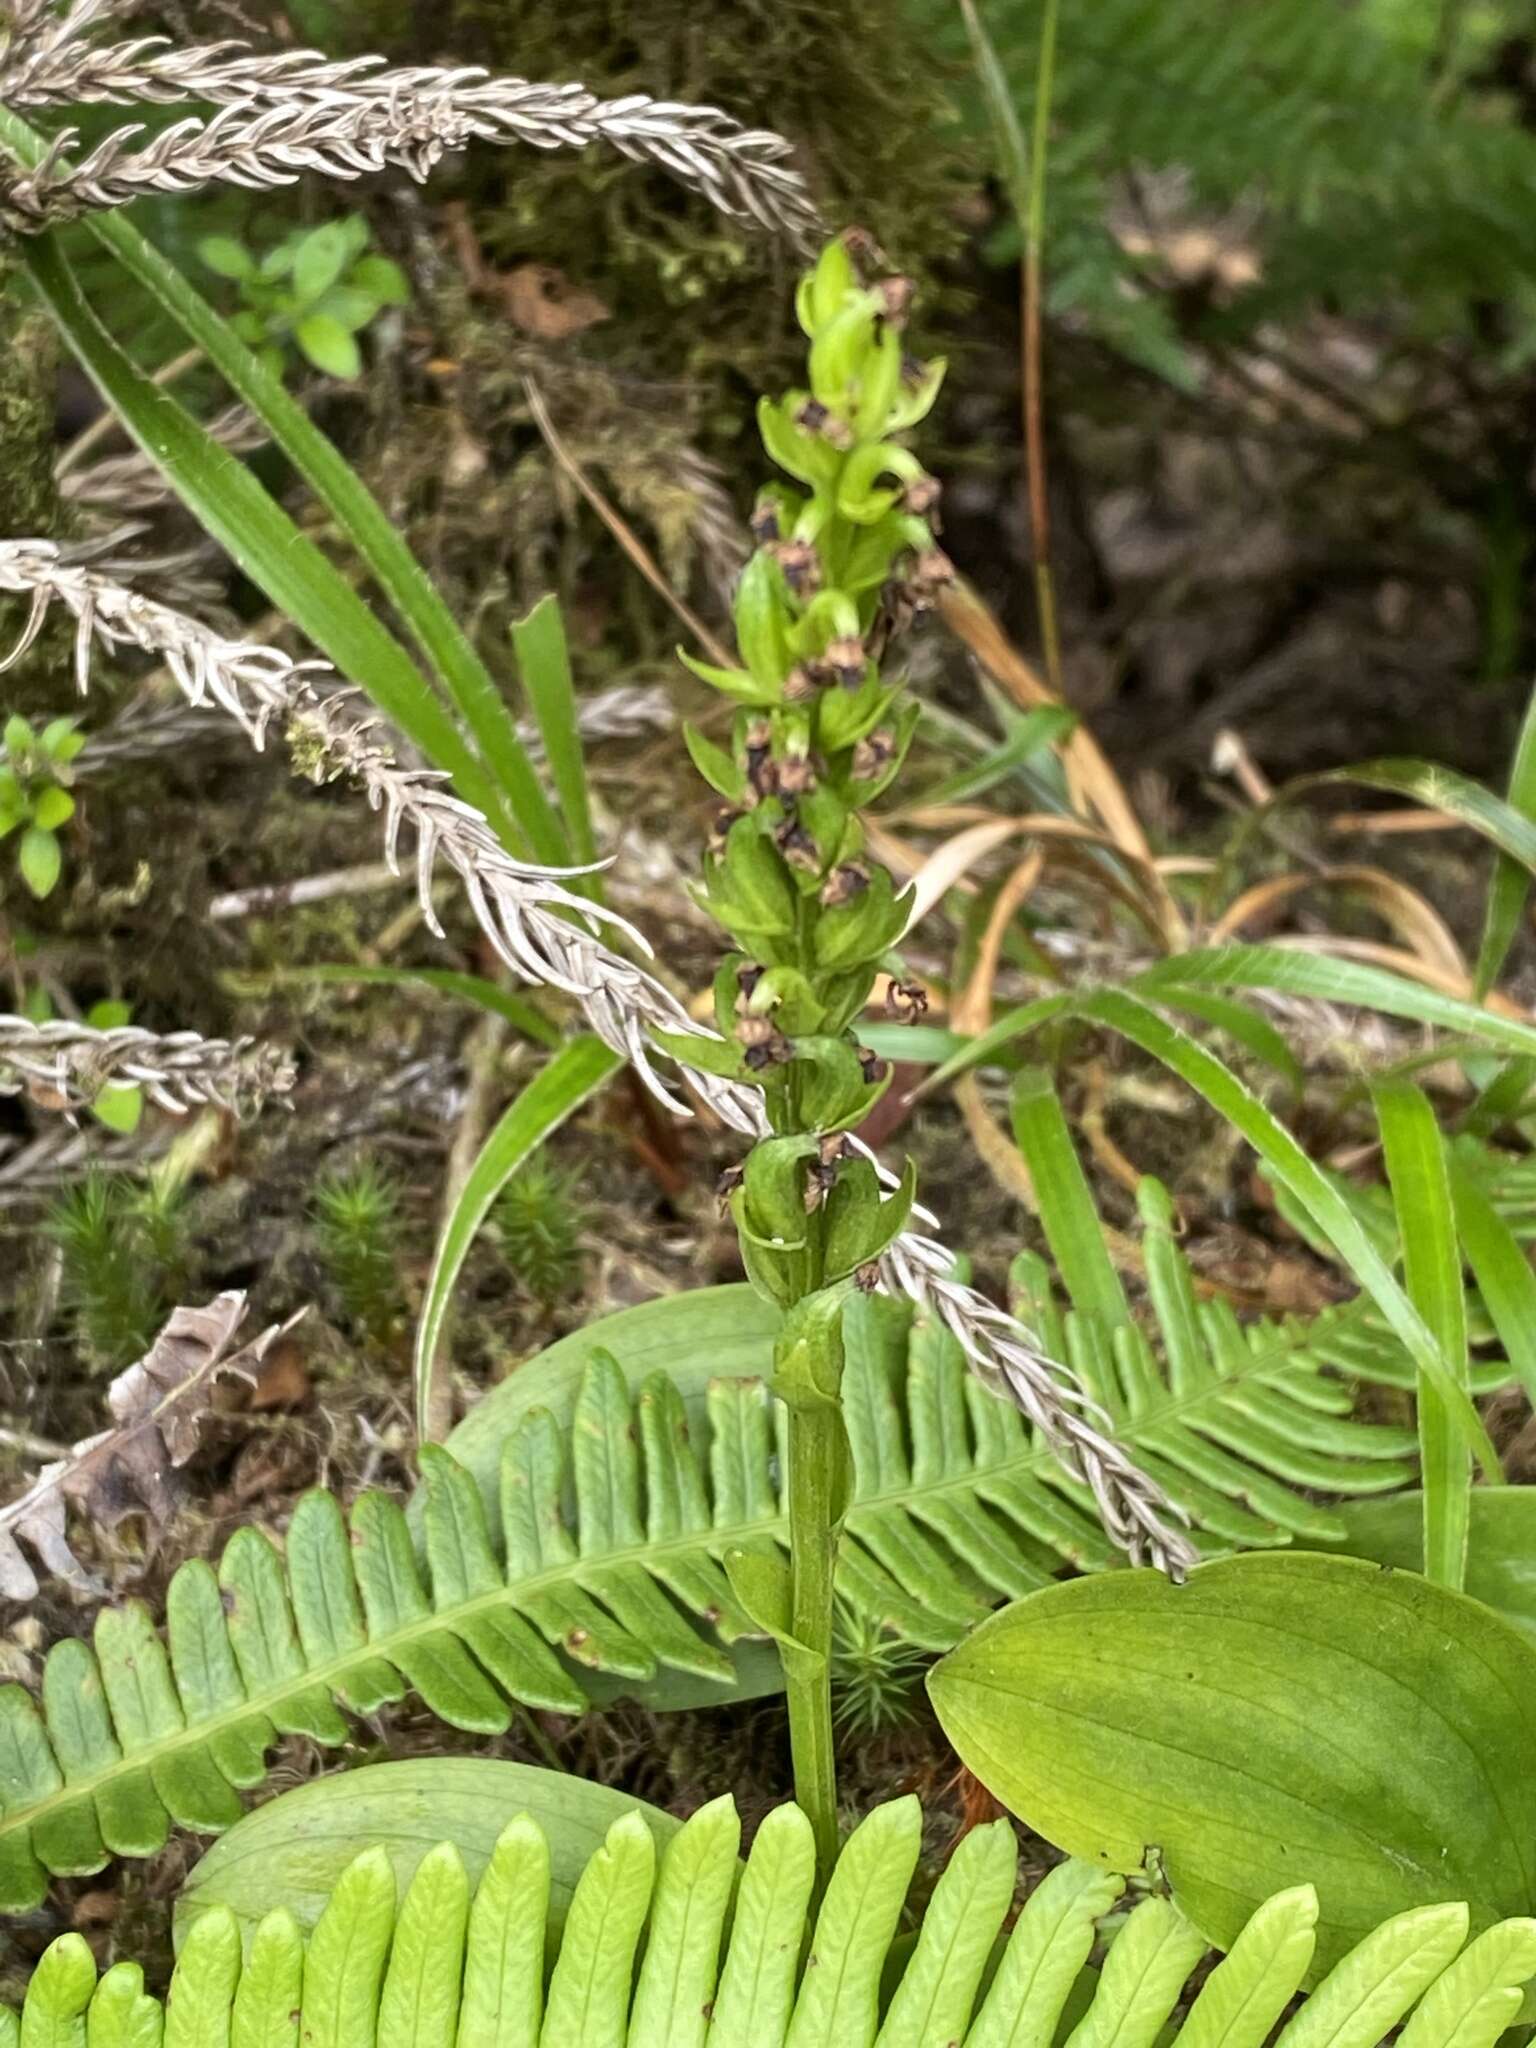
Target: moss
{"points": [[29, 505], [693, 296]]}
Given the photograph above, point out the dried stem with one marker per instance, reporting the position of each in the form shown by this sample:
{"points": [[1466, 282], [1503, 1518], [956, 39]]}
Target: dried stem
{"points": [[291, 111], [65, 1066], [545, 932]]}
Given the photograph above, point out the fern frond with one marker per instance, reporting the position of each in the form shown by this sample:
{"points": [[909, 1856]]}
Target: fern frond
{"points": [[1313, 121], [587, 1545], [443, 1969]]}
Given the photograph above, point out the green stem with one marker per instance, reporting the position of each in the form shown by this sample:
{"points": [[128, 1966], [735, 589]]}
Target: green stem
{"points": [[814, 1458]]}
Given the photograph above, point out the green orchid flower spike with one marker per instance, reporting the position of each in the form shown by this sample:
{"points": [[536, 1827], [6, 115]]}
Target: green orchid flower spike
{"points": [[846, 558]]}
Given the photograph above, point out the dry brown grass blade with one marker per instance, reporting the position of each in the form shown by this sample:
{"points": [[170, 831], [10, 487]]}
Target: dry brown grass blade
{"points": [[622, 531], [1368, 823], [1092, 781], [1415, 921], [933, 875], [971, 1013], [1093, 1122]]}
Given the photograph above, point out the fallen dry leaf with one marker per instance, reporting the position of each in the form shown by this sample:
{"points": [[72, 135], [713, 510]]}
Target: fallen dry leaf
{"points": [[159, 1408], [543, 302]]}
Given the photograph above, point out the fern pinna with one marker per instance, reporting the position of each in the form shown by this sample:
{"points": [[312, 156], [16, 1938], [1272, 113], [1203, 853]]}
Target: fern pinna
{"points": [[700, 1953]]}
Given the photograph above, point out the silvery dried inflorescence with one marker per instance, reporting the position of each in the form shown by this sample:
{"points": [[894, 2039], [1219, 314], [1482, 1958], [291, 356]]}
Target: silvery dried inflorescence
{"points": [[291, 111], [544, 930], [65, 1066]]}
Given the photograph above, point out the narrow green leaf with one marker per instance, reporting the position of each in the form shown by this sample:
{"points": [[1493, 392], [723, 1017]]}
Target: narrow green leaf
{"points": [[1437, 788], [1248, 1991], [960, 1925], [1040, 728], [1043, 1961], [506, 786], [1471, 2003], [1142, 1977], [504, 1957], [198, 2010], [1421, 1191], [682, 1956], [1499, 1265], [1290, 971], [419, 2004], [544, 662], [1066, 1202], [345, 1963], [1365, 1995], [840, 1990], [575, 1073], [254, 530], [1510, 883], [271, 1991]]}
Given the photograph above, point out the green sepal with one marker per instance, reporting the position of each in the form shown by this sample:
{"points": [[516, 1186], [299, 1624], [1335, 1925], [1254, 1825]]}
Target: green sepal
{"points": [[734, 682], [858, 1225], [774, 1187], [860, 496], [806, 457], [864, 928], [840, 350], [715, 765], [823, 290], [747, 887], [761, 613], [720, 1056], [915, 404], [787, 996], [879, 386], [846, 716], [834, 1095], [831, 614]]}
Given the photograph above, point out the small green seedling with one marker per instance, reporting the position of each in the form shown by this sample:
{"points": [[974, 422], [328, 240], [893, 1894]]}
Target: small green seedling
{"points": [[315, 291], [34, 795]]}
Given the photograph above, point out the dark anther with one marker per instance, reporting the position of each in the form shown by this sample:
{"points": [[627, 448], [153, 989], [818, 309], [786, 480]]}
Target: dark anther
{"points": [[843, 884], [907, 1001]]}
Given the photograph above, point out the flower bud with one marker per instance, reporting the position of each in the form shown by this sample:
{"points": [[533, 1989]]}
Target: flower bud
{"points": [[801, 566], [797, 846], [765, 522], [843, 884], [922, 495], [764, 1044], [845, 658], [873, 754], [895, 294], [815, 418]]}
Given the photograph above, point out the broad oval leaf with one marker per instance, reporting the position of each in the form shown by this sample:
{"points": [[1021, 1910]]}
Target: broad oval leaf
{"points": [[295, 1849], [1501, 1551], [1276, 1721]]}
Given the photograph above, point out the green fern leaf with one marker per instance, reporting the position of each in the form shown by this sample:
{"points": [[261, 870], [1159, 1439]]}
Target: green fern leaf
{"points": [[585, 1544], [442, 1972]]}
